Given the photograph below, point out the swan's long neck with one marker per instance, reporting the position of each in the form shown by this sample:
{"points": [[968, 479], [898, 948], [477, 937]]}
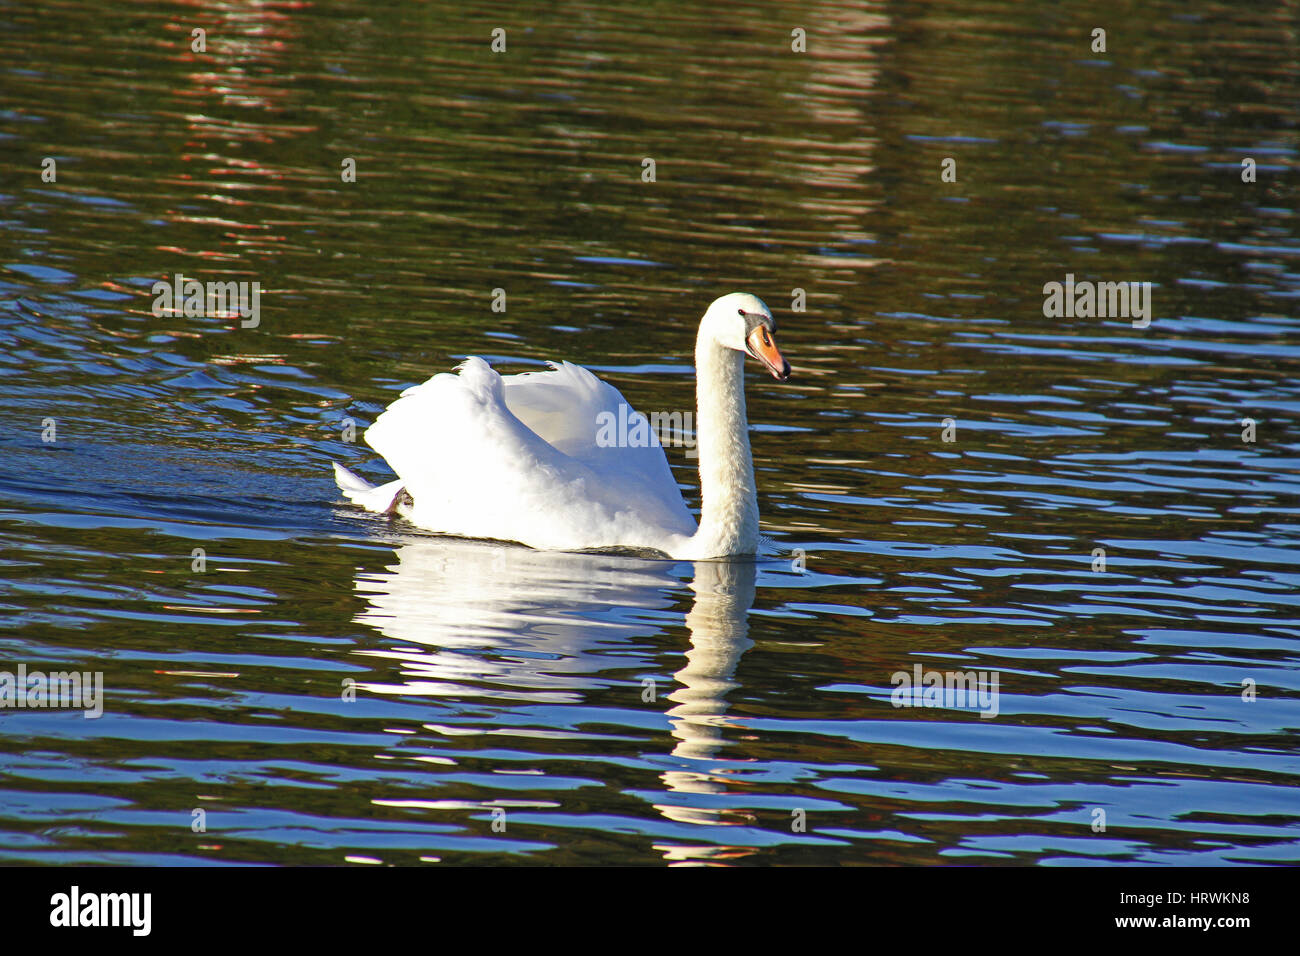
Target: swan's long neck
{"points": [[729, 505]]}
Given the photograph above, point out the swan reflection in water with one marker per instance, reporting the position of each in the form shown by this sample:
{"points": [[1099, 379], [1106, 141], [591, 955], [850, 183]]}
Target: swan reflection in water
{"points": [[476, 621]]}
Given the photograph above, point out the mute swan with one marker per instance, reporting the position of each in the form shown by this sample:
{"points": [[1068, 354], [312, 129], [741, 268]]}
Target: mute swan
{"points": [[524, 457]]}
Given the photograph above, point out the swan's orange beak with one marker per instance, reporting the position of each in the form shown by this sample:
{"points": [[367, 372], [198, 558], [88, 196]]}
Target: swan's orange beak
{"points": [[762, 345]]}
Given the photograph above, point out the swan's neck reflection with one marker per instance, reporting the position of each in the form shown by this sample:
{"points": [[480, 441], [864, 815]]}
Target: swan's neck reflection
{"points": [[718, 623]]}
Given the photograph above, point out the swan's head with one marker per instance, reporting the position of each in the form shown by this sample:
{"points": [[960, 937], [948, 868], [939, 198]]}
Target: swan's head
{"points": [[743, 322]]}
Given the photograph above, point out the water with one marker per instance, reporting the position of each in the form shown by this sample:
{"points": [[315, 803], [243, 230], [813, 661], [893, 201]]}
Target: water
{"points": [[513, 706]]}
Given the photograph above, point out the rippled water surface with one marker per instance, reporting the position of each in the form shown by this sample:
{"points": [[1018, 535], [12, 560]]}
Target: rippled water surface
{"points": [[1100, 533]]}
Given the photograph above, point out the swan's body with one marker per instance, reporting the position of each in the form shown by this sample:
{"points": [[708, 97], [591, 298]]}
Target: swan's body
{"points": [[527, 457]]}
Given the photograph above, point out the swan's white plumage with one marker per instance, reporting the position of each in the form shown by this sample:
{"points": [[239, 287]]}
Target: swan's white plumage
{"points": [[517, 459], [382, 498], [520, 458]]}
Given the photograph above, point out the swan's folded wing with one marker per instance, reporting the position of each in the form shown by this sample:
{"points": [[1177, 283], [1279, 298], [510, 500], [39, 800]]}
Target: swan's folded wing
{"points": [[474, 467], [589, 420]]}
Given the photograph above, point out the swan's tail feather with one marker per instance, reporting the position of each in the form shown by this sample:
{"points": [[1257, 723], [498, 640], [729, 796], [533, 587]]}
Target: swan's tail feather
{"points": [[381, 499]]}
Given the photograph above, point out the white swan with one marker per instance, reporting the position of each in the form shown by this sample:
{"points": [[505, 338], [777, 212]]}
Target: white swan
{"points": [[527, 458]]}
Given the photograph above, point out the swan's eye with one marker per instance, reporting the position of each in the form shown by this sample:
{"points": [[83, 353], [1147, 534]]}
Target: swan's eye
{"points": [[740, 312]]}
